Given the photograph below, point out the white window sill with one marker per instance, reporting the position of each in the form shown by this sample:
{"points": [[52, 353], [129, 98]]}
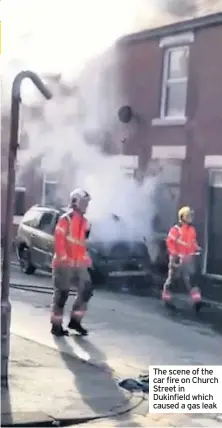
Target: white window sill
{"points": [[177, 40], [169, 121]]}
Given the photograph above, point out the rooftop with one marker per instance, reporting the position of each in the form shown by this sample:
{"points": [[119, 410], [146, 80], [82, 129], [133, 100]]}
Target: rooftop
{"points": [[177, 15]]}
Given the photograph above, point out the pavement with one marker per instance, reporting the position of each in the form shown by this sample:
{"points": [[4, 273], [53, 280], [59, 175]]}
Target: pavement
{"points": [[141, 420], [47, 385], [127, 334], [49, 388]]}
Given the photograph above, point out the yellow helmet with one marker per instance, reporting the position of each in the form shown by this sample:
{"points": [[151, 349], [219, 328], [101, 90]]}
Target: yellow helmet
{"points": [[184, 212]]}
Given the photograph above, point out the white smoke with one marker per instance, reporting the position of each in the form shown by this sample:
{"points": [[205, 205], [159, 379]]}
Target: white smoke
{"points": [[61, 37], [57, 139]]}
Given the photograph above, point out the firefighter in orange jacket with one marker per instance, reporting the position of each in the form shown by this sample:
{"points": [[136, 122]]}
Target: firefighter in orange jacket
{"points": [[182, 247], [70, 265]]}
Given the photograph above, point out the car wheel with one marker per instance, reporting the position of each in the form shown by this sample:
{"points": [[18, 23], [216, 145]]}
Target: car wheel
{"points": [[25, 261]]}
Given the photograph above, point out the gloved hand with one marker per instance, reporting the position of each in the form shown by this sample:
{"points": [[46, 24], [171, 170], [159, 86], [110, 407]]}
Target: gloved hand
{"points": [[88, 230], [175, 260]]}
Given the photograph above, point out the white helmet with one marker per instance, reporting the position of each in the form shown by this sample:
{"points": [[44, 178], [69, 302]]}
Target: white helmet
{"points": [[79, 199]]}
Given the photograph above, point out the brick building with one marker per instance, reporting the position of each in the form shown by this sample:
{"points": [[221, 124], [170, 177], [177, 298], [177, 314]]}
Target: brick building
{"points": [[171, 77]]}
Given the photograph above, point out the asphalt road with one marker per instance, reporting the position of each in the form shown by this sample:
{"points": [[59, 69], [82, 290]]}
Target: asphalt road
{"points": [[133, 330], [41, 279], [127, 333], [210, 317]]}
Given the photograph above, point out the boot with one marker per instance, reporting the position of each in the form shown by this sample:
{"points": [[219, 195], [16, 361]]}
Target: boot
{"points": [[166, 295], [58, 330], [76, 325], [195, 295]]}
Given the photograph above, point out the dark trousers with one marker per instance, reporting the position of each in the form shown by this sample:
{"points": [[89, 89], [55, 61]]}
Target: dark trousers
{"points": [[65, 278], [185, 270]]}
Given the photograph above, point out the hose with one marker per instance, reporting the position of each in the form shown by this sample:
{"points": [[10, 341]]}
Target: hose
{"points": [[37, 289]]}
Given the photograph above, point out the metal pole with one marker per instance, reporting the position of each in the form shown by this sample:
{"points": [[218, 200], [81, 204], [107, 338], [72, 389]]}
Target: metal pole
{"points": [[13, 146]]}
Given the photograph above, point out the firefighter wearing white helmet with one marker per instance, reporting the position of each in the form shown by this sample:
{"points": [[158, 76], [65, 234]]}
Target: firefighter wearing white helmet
{"points": [[70, 265]]}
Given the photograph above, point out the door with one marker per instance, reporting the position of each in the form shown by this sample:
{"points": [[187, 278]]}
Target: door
{"points": [[44, 239], [214, 253]]}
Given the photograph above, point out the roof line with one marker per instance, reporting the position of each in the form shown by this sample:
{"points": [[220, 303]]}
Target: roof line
{"points": [[166, 30]]}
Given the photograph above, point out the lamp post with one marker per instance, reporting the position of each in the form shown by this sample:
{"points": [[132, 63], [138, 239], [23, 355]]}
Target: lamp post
{"points": [[13, 146]]}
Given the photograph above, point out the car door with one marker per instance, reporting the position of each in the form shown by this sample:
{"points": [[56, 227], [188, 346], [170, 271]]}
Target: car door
{"points": [[44, 239], [50, 246], [28, 232]]}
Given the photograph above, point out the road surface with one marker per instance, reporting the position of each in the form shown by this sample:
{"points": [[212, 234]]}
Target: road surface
{"points": [[138, 331], [209, 316], [127, 333]]}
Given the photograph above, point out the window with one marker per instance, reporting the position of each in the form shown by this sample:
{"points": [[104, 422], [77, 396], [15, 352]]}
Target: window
{"points": [[19, 203], [49, 190], [129, 173], [32, 218], [213, 263], [175, 80], [167, 198], [128, 164], [55, 222], [167, 192], [46, 222]]}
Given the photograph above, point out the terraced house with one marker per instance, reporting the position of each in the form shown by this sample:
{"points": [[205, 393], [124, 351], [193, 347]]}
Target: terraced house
{"points": [[170, 75], [172, 79]]}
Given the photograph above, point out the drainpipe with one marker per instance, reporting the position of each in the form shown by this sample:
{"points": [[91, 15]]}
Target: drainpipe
{"points": [[7, 244]]}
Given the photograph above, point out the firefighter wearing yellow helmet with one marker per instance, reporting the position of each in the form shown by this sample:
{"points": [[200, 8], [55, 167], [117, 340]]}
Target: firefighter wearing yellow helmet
{"points": [[185, 215], [182, 247]]}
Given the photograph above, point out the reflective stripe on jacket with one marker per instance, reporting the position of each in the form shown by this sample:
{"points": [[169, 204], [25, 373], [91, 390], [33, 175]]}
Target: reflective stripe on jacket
{"points": [[70, 241], [181, 240]]}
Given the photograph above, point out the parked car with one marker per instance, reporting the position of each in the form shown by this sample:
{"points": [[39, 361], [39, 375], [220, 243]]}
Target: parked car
{"points": [[112, 260], [34, 242]]}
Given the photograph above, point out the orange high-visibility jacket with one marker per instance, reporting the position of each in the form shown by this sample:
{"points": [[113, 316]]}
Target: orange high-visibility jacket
{"points": [[70, 241], [181, 240]]}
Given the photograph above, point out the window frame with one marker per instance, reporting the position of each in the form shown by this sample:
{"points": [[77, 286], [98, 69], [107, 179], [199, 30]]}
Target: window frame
{"points": [[171, 186], [19, 189], [44, 183], [169, 81], [154, 169], [50, 224], [29, 223]]}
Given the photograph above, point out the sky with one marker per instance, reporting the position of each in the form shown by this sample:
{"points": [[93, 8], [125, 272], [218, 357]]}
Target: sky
{"points": [[61, 36], [51, 35]]}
